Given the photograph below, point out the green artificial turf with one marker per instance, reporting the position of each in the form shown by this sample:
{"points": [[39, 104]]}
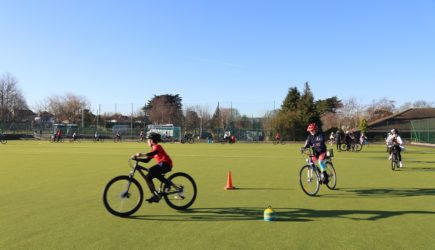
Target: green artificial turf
{"points": [[51, 198]]}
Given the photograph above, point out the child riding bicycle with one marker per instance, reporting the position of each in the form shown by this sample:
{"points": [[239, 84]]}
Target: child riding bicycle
{"points": [[316, 141], [164, 164], [394, 141]]}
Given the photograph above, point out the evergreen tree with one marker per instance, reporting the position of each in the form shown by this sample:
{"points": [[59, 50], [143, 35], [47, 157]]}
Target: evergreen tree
{"points": [[307, 108], [291, 101]]}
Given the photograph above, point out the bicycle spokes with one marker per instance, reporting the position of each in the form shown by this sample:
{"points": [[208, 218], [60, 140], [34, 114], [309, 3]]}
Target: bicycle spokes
{"points": [[181, 193]]}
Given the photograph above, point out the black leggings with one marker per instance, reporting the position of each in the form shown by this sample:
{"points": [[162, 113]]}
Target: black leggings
{"points": [[157, 171]]}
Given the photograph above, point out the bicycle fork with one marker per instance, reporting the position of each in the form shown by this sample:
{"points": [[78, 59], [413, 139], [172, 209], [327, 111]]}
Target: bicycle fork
{"points": [[126, 194]]}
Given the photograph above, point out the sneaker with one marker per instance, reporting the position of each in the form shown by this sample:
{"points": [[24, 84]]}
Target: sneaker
{"points": [[153, 198], [389, 157], [325, 178], [400, 164]]}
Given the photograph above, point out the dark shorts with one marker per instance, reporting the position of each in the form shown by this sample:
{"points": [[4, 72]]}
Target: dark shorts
{"points": [[158, 170]]}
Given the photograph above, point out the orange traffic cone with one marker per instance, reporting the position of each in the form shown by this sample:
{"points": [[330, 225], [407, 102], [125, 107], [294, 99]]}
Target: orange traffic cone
{"points": [[229, 185]]}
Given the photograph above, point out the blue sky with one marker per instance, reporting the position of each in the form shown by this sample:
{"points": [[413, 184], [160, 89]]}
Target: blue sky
{"points": [[241, 53]]}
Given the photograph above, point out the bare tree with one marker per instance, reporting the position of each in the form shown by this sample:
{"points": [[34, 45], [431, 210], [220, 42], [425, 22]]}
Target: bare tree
{"points": [[380, 108], [11, 98], [350, 113], [67, 108], [416, 104], [197, 119]]}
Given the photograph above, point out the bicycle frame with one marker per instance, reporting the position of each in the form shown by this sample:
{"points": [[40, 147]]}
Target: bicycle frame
{"points": [[315, 165], [141, 170]]}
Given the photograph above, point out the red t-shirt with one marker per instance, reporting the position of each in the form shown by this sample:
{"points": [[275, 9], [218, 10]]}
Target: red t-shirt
{"points": [[161, 155]]}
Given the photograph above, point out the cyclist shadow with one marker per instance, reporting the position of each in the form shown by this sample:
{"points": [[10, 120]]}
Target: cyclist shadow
{"points": [[281, 214], [381, 192], [265, 188], [417, 165]]}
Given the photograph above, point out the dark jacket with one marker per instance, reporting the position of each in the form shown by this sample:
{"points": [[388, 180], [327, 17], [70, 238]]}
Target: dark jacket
{"points": [[317, 143]]}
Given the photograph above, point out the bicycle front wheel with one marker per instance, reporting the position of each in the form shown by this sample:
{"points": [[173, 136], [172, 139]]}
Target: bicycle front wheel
{"points": [[343, 147], [394, 163], [181, 193], [123, 196], [358, 147], [3, 141], [332, 176], [309, 180]]}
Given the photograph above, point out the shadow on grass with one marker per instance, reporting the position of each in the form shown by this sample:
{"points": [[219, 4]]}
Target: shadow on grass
{"points": [[381, 192], [256, 189], [282, 214]]}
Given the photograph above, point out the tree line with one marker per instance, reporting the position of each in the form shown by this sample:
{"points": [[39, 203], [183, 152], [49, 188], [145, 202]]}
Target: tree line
{"points": [[297, 110]]}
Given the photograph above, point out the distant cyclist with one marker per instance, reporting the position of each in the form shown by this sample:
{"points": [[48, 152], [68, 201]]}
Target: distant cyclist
{"points": [[316, 141], [395, 141], [278, 136], [164, 164], [141, 136], [75, 136]]}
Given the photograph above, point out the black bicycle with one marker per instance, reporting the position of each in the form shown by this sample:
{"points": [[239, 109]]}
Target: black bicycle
{"points": [[310, 176], [278, 141], [395, 158], [123, 195], [354, 147], [2, 139]]}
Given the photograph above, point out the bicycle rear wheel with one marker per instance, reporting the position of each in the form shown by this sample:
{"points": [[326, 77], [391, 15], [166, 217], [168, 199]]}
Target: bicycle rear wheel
{"points": [[123, 196], [358, 147], [332, 176], [3, 141], [182, 193], [309, 180]]}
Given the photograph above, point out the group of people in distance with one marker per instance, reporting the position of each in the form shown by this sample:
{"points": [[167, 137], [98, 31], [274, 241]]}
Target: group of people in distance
{"points": [[349, 138], [316, 141]]}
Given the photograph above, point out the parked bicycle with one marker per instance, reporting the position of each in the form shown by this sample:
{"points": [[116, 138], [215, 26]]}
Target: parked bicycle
{"points": [[310, 176], [123, 195]]}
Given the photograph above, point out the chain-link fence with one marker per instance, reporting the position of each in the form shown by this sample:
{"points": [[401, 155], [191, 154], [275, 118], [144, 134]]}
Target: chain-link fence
{"points": [[423, 131]]}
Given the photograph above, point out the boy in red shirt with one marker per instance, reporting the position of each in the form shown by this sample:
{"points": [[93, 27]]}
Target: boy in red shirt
{"points": [[164, 164]]}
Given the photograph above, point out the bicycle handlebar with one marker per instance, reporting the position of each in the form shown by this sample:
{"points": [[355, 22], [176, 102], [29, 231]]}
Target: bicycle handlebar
{"points": [[137, 160]]}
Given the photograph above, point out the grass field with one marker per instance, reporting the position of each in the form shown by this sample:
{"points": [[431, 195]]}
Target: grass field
{"points": [[50, 198]]}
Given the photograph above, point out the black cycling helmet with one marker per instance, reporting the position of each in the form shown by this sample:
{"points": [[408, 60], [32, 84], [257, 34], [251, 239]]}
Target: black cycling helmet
{"points": [[394, 131], [153, 136]]}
